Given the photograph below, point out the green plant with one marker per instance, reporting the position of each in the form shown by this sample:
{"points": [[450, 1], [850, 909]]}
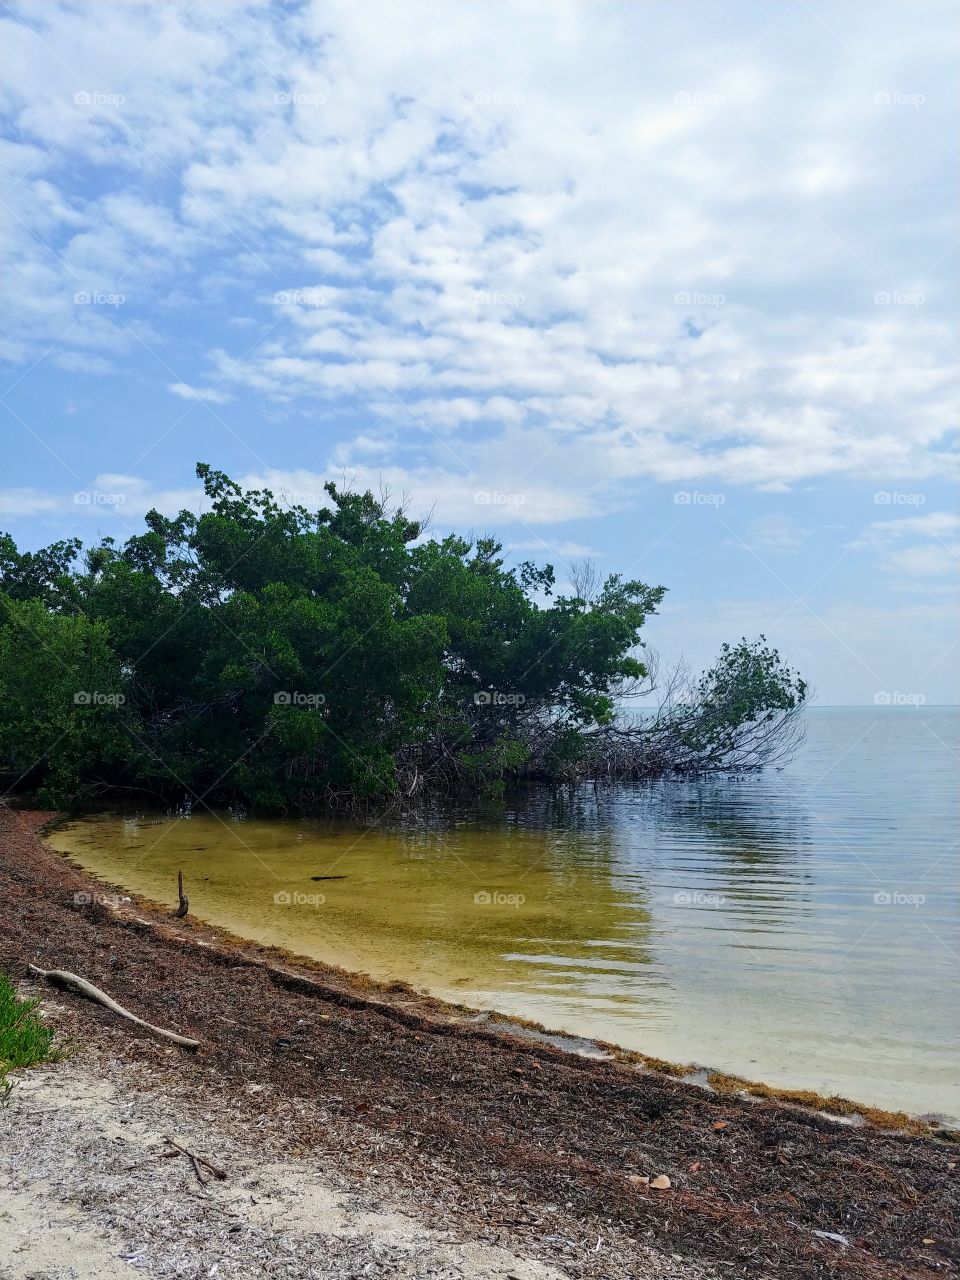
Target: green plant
{"points": [[25, 1039], [272, 657]]}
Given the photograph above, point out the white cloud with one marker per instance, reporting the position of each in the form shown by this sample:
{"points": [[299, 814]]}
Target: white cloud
{"points": [[776, 533], [925, 546], [210, 394], [488, 493], [935, 524], [519, 262], [927, 562], [659, 254], [539, 547], [25, 501], [117, 502]]}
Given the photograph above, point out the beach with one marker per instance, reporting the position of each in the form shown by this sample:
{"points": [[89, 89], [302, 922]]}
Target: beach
{"points": [[457, 1131]]}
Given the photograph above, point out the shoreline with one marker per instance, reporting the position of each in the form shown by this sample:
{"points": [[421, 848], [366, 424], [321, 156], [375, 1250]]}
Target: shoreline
{"points": [[752, 1182], [722, 1080]]}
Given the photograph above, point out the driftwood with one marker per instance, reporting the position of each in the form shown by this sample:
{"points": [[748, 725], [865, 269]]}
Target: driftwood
{"points": [[81, 987], [184, 906], [198, 1160]]}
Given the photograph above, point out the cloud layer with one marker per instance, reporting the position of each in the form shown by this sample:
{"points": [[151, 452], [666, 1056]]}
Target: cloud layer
{"points": [[651, 253], [530, 263]]}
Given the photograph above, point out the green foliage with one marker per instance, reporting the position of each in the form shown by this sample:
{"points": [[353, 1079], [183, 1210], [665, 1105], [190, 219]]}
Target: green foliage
{"points": [[741, 715], [61, 692], [40, 575], [748, 685], [270, 656], [25, 1039]]}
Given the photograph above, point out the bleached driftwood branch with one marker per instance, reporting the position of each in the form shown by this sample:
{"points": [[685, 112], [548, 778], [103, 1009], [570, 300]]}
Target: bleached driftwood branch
{"points": [[81, 987]]}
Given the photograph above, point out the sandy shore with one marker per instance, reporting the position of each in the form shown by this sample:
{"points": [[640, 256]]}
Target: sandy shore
{"points": [[93, 1188], [377, 1132]]}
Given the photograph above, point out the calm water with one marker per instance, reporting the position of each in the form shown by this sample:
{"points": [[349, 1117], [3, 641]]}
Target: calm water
{"points": [[800, 928]]}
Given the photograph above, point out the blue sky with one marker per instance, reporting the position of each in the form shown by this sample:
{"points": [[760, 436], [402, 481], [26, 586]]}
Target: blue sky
{"points": [[671, 286]]}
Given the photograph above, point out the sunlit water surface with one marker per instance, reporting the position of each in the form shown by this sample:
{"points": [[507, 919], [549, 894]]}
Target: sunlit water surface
{"points": [[800, 927]]}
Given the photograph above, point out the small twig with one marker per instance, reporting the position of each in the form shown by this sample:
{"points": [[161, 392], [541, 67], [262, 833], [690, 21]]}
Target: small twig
{"points": [[201, 1176], [198, 1160]]}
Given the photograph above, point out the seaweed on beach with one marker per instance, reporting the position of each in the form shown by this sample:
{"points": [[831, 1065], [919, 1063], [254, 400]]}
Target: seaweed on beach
{"points": [[484, 1123]]}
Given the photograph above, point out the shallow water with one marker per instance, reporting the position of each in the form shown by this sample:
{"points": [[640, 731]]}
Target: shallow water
{"points": [[800, 927]]}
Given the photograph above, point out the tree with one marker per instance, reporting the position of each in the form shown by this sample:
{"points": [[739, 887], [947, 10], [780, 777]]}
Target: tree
{"points": [[62, 700], [286, 659], [741, 715]]}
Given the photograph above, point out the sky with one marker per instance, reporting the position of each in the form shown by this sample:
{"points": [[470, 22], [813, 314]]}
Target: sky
{"points": [[666, 285]]}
